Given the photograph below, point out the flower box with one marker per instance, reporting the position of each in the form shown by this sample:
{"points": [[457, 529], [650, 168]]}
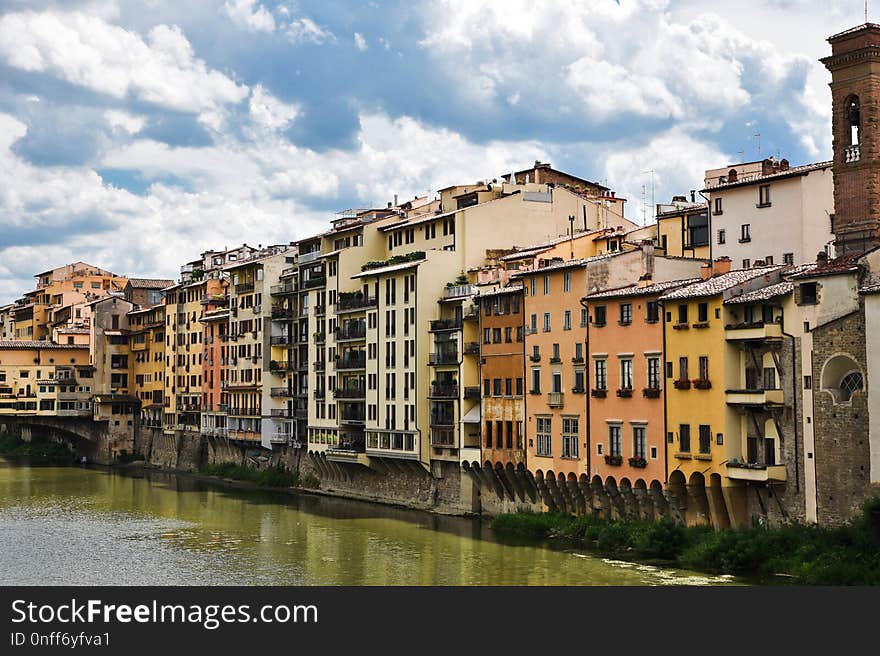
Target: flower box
{"points": [[613, 460], [598, 393], [625, 393], [682, 384], [702, 383], [651, 392], [641, 463]]}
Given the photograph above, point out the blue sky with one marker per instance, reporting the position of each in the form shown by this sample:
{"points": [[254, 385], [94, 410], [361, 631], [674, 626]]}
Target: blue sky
{"points": [[134, 135]]}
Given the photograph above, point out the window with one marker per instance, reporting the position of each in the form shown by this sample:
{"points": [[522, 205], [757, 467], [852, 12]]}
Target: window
{"points": [[704, 367], [702, 312], [808, 382], [653, 313], [745, 233], [626, 310], [683, 368], [508, 386], [536, 380], [546, 322], [614, 440], [769, 378], [556, 357], [570, 437], [764, 196], [746, 263], [684, 438], [653, 373], [546, 285], [705, 439], [601, 374], [853, 119], [718, 209], [809, 293], [626, 374], [519, 386], [566, 320], [639, 442], [698, 230], [533, 292], [599, 315], [682, 314], [788, 258], [487, 387], [722, 236], [768, 260], [543, 435], [496, 387], [488, 434], [579, 351], [578, 381], [566, 282], [533, 323], [584, 317]]}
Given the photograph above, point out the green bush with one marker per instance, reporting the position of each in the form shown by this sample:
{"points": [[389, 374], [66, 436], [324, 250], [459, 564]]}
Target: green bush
{"points": [[271, 477]]}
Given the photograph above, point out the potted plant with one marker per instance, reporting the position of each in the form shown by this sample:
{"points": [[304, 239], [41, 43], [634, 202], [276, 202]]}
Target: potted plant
{"points": [[613, 459], [702, 383], [638, 461], [598, 393], [651, 392], [625, 393], [682, 384]]}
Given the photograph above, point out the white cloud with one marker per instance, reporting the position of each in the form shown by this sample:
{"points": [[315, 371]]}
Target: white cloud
{"points": [[359, 41], [679, 162], [305, 30], [269, 112], [129, 123], [245, 14], [87, 51]]}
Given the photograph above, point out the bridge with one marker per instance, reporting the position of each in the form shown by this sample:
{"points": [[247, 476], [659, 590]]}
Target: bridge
{"points": [[98, 441]]}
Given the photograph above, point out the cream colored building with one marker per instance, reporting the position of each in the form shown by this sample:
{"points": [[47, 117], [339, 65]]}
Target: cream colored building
{"points": [[770, 213]]}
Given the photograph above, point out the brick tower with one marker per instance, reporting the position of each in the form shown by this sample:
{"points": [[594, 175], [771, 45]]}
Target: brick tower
{"points": [[855, 92]]}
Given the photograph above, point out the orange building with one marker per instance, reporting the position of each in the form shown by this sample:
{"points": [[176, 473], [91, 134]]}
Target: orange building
{"points": [[555, 346], [215, 351], [502, 374], [627, 427]]}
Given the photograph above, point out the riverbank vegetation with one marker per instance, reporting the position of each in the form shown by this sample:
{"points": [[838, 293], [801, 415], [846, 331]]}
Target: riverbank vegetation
{"points": [[12, 445], [846, 555], [271, 477]]}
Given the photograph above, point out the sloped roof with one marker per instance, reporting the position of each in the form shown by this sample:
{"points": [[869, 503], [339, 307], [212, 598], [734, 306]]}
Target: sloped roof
{"points": [[635, 290], [763, 294], [29, 344], [719, 284], [791, 172], [150, 283]]}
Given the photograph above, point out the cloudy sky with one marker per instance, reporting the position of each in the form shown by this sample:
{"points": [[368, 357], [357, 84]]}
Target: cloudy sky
{"points": [[136, 134]]}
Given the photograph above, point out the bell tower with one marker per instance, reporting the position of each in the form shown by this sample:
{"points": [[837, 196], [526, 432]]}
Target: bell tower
{"points": [[855, 93]]}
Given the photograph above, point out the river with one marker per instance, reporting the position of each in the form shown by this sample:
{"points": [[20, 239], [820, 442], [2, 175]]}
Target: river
{"points": [[91, 526]]}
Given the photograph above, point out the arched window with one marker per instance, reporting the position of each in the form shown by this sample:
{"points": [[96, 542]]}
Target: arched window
{"points": [[842, 377], [853, 119]]}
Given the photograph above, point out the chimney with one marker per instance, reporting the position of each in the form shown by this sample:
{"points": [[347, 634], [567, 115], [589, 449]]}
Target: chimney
{"points": [[693, 195], [821, 258], [783, 164], [647, 247], [395, 200], [705, 271], [721, 265]]}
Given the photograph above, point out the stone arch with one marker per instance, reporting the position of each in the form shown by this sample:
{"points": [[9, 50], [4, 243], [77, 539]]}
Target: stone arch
{"points": [[718, 507], [677, 496], [698, 510], [842, 377]]}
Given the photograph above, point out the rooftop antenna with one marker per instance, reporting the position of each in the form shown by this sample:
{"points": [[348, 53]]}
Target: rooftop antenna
{"points": [[742, 154], [653, 206], [757, 136]]}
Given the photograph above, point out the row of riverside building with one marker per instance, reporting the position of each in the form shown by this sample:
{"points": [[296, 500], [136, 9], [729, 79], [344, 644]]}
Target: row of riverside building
{"points": [[520, 334]]}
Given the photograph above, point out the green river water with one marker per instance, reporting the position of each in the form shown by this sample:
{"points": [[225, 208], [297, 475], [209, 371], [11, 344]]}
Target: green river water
{"points": [[90, 526]]}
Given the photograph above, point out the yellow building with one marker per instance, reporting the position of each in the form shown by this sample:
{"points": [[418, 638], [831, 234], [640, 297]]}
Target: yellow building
{"points": [[147, 346], [703, 422], [42, 378], [683, 229]]}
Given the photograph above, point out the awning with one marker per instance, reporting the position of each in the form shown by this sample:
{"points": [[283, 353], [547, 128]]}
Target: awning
{"points": [[472, 416]]}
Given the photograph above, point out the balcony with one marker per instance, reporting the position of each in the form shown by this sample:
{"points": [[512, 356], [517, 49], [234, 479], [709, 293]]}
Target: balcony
{"points": [[317, 281], [443, 358], [319, 394], [446, 419], [443, 438], [471, 348], [320, 310], [472, 393], [311, 256], [852, 153], [439, 325], [555, 399], [535, 357], [281, 392], [354, 303], [471, 313], [278, 367], [459, 291], [393, 445], [577, 359], [347, 362], [352, 414], [358, 332], [244, 288], [319, 337], [351, 393], [320, 365], [282, 314], [282, 289], [282, 413], [757, 473], [444, 390], [753, 331], [348, 450], [755, 397], [282, 340]]}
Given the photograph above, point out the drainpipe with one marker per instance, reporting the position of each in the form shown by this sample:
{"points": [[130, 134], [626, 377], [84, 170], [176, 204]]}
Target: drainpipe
{"points": [[794, 383], [589, 446]]}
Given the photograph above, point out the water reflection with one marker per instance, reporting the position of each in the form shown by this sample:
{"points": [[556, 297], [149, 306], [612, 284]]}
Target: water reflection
{"points": [[70, 525]]}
